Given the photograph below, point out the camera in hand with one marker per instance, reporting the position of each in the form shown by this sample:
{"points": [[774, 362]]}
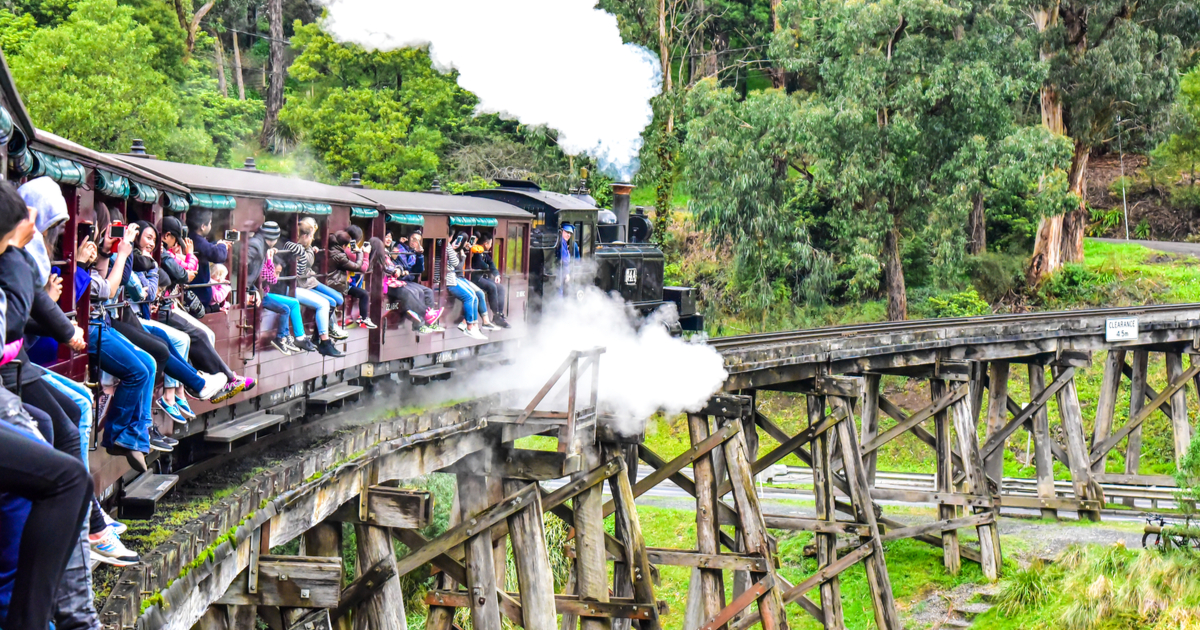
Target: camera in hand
{"points": [[85, 230], [232, 235], [116, 231]]}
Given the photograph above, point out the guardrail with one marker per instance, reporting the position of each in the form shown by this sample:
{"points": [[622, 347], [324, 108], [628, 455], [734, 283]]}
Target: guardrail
{"points": [[1160, 492]]}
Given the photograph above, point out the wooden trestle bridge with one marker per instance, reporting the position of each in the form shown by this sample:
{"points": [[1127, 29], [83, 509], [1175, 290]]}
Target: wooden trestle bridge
{"points": [[217, 573]]}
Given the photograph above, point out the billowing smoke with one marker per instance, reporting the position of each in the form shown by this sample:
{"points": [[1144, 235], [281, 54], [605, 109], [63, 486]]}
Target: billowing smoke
{"points": [[643, 368], [559, 63]]}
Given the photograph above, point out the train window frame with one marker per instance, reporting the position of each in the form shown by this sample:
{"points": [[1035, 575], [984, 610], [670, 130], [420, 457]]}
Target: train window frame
{"points": [[518, 236]]}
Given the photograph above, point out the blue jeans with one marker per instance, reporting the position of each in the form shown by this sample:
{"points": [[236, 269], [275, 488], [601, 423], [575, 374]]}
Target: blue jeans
{"points": [[178, 340], [79, 394], [289, 309], [177, 365], [469, 300], [333, 296], [318, 302], [129, 412], [480, 297]]}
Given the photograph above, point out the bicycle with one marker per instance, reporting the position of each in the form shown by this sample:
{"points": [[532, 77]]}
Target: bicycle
{"points": [[1159, 533]]}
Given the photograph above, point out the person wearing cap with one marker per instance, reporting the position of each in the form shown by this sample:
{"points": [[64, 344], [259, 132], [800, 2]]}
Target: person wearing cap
{"points": [[566, 251], [199, 221], [260, 275]]}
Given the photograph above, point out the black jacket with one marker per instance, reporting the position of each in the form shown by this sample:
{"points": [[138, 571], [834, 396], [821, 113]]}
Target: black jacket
{"points": [[16, 280], [484, 265]]}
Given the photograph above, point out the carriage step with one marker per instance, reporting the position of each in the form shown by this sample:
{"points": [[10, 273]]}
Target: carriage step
{"points": [[437, 372], [141, 496], [333, 394], [241, 427], [492, 360]]}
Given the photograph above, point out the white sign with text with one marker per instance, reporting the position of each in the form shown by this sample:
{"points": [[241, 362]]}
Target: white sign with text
{"points": [[1121, 329]]}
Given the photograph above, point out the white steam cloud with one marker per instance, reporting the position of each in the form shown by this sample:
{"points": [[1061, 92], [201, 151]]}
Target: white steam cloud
{"points": [[559, 63]]}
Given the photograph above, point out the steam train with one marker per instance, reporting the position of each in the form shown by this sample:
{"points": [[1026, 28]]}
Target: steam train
{"points": [[522, 218]]}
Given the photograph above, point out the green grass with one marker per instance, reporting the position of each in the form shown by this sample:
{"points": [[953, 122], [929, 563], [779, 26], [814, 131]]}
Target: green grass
{"points": [[1101, 588], [1168, 282], [644, 196]]}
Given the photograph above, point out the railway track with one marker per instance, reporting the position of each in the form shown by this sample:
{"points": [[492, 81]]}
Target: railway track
{"points": [[741, 342]]}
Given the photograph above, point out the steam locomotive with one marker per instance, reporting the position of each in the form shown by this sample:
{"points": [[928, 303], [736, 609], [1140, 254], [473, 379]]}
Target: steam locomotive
{"points": [[522, 218], [626, 262]]}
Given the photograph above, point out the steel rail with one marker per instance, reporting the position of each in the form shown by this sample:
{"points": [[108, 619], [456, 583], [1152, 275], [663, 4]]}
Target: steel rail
{"points": [[736, 342]]}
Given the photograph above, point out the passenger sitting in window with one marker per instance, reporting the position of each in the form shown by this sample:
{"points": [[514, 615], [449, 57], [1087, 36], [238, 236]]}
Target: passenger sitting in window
{"points": [[199, 222], [410, 255], [473, 300], [345, 263], [220, 273], [260, 275], [487, 277], [313, 294], [402, 292]]}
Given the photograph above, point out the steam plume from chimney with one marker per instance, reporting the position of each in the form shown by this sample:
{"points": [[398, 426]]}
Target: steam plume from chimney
{"points": [[526, 59]]}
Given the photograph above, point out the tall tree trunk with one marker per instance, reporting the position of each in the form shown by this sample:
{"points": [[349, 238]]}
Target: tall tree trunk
{"points": [[778, 74], [194, 26], [664, 46], [977, 228], [893, 277], [237, 68], [1047, 245], [220, 50], [1075, 221], [274, 101]]}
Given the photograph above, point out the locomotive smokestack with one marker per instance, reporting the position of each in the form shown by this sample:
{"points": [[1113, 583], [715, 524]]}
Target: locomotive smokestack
{"points": [[620, 206]]}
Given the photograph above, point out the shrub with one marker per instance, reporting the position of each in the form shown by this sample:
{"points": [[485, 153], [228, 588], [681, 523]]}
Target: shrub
{"points": [[1105, 221], [995, 275], [964, 304], [1186, 197], [1142, 231], [1075, 284], [1027, 588]]}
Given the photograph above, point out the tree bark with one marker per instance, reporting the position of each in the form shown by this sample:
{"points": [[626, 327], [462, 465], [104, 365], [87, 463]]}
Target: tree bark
{"points": [[221, 85], [274, 100], [778, 74], [893, 277], [664, 46], [194, 26], [977, 228], [1047, 248], [1075, 222], [237, 68]]}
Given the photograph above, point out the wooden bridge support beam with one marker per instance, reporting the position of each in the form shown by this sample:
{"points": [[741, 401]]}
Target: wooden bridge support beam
{"points": [[997, 413], [1106, 406], [385, 609], [480, 560], [966, 428], [1179, 416], [534, 579], [945, 478], [1042, 456], [708, 592], [1077, 454], [823, 491], [1137, 400], [591, 571]]}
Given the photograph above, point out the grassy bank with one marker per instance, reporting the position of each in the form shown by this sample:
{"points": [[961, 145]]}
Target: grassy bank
{"points": [[1101, 588]]}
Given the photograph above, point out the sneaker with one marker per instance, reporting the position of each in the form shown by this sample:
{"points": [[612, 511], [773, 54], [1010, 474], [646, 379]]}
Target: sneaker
{"points": [[247, 382], [366, 322], [117, 526], [425, 330], [183, 407], [212, 386], [500, 321], [107, 548], [438, 328], [102, 405], [166, 439], [135, 459], [303, 344], [281, 344], [433, 314], [158, 442], [490, 326], [231, 389], [327, 348], [475, 334], [462, 325], [171, 410], [337, 333]]}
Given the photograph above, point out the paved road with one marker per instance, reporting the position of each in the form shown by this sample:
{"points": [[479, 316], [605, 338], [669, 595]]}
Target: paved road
{"points": [[1171, 247]]}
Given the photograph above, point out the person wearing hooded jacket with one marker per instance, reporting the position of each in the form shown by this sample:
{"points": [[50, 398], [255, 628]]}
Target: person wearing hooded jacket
{"points": [[260, 275]]}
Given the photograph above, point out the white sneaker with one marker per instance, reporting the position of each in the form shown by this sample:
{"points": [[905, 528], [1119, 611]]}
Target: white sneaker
{"points": [[490, 327], [117, 526], [475, 334], [213, 384], [107, 548], [462, 325]]}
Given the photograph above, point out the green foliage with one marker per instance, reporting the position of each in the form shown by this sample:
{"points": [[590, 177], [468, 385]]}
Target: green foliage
{"points": [[995, 275], [15, 31], [92, 80], [964, 304], [1104, 221], [383, 114], [1025, 588], [170, 41], [1142, 230], [1074, 284], [737, 169], [1187, 476]]}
